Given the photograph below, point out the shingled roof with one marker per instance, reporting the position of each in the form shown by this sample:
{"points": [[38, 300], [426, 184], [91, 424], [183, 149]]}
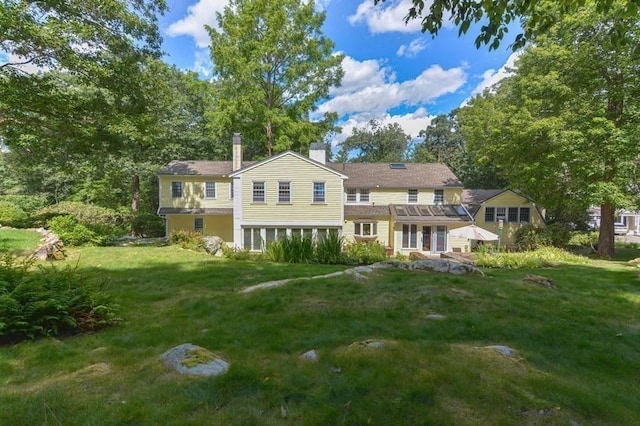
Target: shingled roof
{"points": [[411, 175], [477, 196], [196, 168]]}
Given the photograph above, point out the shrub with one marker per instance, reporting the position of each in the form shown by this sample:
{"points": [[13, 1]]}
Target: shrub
{"points": [[530, 237], [545, 256], [71, 232], [527, 238], [234, 253], [556, 234], [105, 224], [329, 248], [297, 248], [12, 215], [274, 252], [586, 239], [27, 204], [49, 302], [187, 239], [365, 253], [148, 225]]}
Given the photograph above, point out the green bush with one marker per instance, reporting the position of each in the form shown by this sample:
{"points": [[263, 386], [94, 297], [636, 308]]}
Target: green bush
{"points": [[365, 253], [71, 232], [12, 215], [148, 225], [585, 239], [530, 237], [234, 253], [49, 302], [24, 206], [544, 256], [328, 250], [527, 238], [187, 239], [298, 248], [556, 235], [104, 225], [274, 252]]}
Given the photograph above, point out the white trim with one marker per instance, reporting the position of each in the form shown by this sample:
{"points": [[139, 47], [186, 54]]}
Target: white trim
{"points": [[295, 154], [237, 211], [215, 189], [291, 224], [324, 192]]}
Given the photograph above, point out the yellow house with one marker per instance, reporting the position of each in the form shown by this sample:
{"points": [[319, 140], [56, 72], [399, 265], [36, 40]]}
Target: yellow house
{"points": [[407, 207], [502, 211]]}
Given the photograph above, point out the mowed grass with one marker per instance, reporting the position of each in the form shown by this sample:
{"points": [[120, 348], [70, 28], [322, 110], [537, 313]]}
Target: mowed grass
{"points": [[18, 242], [578, 347]]}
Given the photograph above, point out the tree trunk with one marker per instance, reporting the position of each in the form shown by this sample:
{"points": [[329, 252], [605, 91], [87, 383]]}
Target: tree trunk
{"points": [[606, 238], [135, 189]]}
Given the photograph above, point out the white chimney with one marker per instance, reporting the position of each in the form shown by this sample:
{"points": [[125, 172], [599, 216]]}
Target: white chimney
{"points": [[237, 152], [318, 152]]}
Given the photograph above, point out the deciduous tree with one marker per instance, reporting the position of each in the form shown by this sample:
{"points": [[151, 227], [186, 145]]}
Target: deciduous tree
{"points": [[375, 143], [564, 128], [272, 65]]}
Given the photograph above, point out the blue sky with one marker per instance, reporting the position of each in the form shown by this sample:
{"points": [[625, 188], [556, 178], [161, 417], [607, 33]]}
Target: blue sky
{"points": [[393, 72]]}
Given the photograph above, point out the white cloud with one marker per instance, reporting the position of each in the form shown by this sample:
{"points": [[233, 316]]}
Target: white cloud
{"points": [[380, 97], [389, 17], [412, 123], [412, 49], [198, 15], [361, 74], [491, 76], [22, 63], [385, 17]]}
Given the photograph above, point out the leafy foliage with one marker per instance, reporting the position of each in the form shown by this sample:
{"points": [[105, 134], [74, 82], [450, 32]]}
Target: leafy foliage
{"points": [[329, 248], [375, 143], [12, 215], [539, 258], [49, 302], [365, 253], [189, 240], [272, 65], [497, 15], [563, 128], [70, 231], [297, 248]]}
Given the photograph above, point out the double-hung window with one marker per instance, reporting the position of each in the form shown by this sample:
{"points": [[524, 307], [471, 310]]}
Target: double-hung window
{"points": [[259, 192], [284, 192], [176, 189], [412, 196], [319, 192], [357, 195], [489, 214], [525, 214], [210, 190]]}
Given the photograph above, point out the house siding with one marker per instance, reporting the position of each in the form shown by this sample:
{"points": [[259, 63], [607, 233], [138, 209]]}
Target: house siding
{"points": [[508, 199], [381, 223], [302, 210], [221, 226], [193, 195]]}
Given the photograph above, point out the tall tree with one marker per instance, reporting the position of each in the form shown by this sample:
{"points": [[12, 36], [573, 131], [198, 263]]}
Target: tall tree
{"points": [[375, 143], [272, 65], [443, 142], [565, 128], [497, 15]]}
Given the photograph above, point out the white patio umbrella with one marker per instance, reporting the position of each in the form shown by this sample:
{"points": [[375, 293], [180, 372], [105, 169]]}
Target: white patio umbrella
{"points": [[473, 232]]}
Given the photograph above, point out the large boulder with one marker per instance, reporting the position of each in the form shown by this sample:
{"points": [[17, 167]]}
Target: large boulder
{"points": [[194, 360], [213, 245]]}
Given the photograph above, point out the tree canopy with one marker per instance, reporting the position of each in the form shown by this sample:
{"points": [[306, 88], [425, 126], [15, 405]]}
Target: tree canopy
{"points": [[375, 143], [497, 15], [564, 128], [272, 65]]}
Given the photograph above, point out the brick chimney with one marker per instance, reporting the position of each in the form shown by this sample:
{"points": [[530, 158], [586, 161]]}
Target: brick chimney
{"points": [[318, 152], [237, 152]]}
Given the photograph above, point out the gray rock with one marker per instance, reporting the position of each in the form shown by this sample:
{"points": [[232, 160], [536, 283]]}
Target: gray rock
{"points": [[194, 360], [435, 316], [212, 245], [311, 356], [504, 350]]}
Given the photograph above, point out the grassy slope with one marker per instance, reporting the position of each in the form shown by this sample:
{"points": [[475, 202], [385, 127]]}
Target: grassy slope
{"points": [[18, 242], [579, 347]]}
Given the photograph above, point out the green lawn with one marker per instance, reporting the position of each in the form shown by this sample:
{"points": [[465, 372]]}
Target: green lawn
{"points": [[578, 347], [18, 242]]}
